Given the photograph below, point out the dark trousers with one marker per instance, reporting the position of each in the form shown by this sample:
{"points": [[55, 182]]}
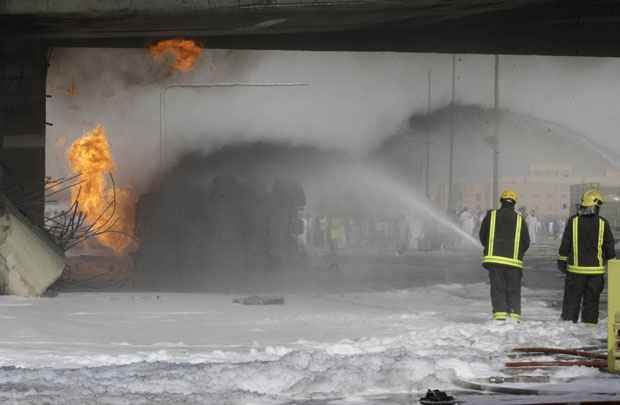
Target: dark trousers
{"points": [[505, 289], [582, 293]]}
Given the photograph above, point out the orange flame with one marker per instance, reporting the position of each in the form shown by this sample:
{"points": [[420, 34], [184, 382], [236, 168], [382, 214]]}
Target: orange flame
{"points": [[106, 207], [184, 51]]}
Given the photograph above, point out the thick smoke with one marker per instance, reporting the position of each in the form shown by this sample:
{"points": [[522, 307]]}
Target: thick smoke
{"points": [[261, 217], [225, 220], [252, 141], [349, 101]]}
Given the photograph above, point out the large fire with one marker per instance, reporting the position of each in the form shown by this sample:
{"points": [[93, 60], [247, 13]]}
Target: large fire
{"points": [[108, 209], [184, 51]]}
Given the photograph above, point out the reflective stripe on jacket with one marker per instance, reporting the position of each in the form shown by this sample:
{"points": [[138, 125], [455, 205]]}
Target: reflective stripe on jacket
{"points": [[587, 244], [505, 238]]}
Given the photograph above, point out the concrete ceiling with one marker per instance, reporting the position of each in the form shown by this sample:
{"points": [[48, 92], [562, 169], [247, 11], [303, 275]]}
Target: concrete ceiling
{"points": [[559, 27]]}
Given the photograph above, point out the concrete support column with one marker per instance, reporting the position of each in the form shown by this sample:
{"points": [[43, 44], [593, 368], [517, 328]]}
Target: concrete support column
{"points": [[23, 70]]}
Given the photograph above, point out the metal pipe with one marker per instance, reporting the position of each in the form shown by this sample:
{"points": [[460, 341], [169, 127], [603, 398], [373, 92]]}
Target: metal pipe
{"points": [[451, 157], [553, 350], [428, 142], [543, 364]]}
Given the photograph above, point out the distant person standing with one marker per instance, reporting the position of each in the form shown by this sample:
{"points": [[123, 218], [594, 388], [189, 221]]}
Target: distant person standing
{"points": [[551, 228], [587, 246], [533, 225], [318, 233], [403, 235], [467, 222], [505, 238], [304, 236], [416, 228]]}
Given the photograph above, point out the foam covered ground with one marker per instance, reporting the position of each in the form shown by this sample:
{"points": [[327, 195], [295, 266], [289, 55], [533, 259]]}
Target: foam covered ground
{"points": [[132, 348]]}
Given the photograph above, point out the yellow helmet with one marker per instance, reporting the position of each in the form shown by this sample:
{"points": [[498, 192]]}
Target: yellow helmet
{"points": [[592, 198], [509, 194]]}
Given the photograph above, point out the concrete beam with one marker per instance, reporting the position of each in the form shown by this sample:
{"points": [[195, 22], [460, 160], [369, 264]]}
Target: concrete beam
{"points": [[54, 19], [549, 27], [129, 7]]}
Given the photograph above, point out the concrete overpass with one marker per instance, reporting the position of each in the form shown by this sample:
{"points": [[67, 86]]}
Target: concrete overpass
{"points": [[566, 27], [29, 28]]}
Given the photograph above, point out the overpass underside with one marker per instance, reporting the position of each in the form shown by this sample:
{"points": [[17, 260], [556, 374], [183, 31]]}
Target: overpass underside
{"points": [[29, 29]]}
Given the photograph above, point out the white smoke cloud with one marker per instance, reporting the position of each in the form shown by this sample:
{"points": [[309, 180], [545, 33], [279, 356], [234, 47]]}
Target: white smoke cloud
{"points": [[349, 101]]}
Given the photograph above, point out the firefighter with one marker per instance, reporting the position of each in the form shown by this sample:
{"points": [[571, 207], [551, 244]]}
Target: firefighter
{"points": [[587, 245], [505, 238]]}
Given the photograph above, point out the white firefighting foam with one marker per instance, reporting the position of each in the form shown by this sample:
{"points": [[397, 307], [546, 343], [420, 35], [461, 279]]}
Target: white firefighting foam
{"points": [[202, 348]]}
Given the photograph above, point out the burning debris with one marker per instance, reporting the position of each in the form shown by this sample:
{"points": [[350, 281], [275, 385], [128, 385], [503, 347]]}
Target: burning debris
{"points": [[184, 52], [69, 227], [259, 300], [107, 209]]}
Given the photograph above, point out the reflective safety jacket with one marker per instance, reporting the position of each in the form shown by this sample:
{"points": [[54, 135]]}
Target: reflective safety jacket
{"points": [[587, 244], [505, 238]]}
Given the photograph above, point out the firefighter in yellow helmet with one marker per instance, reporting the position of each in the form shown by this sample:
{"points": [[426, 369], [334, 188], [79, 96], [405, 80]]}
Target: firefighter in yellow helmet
{"points": [[587, 245], [505, 238]]}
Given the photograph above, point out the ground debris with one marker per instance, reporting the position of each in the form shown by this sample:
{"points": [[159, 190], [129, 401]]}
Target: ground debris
{"points": [[258, 300]]}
